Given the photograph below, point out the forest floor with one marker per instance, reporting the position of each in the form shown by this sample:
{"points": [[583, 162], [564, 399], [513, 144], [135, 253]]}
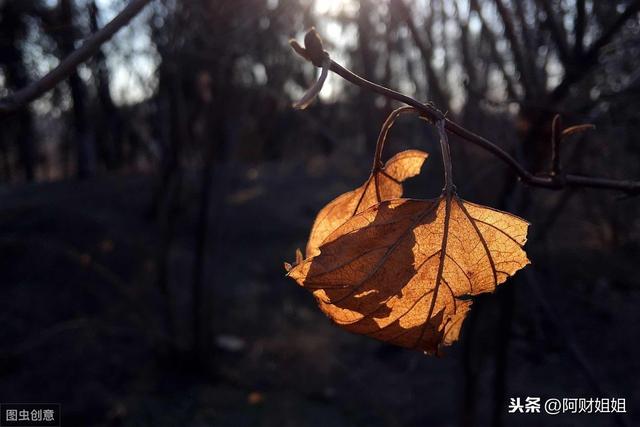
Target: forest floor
{"points": [[85, 324]]}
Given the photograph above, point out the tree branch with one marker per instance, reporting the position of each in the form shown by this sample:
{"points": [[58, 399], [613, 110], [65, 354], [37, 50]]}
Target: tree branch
{"points": [[579, 24], [518, 55], [38, 88], [558, 32], [590, 57], [487, 33], [529, 46], [439, 94], [316, 54]]}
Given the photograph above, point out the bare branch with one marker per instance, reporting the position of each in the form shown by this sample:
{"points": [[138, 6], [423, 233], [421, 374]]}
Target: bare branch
{"points": [[38, 88], [558, 32], [577, 129], [590, 58], [518, 55], [316, 55], [580, 23], [556, 137], [526, 32], [492, 42], [425, 47], [465, 48], [314, 90]]}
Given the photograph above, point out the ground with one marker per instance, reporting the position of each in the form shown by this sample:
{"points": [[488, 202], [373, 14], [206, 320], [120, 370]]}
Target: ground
{"points": [[84, 323]]}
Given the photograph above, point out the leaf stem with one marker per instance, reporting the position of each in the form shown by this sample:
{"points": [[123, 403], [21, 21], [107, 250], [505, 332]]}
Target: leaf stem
{"points": [[384, 131], [449, 187]]}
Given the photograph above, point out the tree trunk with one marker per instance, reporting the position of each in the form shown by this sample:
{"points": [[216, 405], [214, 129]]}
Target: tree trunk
{"points": [[85, 150], [20, 127]]}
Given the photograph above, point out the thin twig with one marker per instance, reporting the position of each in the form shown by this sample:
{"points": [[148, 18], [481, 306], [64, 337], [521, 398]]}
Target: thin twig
{"points": [[314, 90], [558, 32], [38, 88], [518, 55], [556, 137], [579, 25], [576, 129], [590, 57], [446, 158], [316, 55], [492, 43], [382, 137], [425, 47]]}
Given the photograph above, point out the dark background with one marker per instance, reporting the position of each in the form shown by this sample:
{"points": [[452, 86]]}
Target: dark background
{"points": [[148, 202]]}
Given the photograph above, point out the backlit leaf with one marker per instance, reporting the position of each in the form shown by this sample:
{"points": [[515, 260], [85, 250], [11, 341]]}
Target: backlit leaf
{"points": [[403, 271], [384, 184]]}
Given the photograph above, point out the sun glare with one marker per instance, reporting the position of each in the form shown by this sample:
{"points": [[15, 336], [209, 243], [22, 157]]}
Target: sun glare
{"points": [[337, 35], [333, 7]]}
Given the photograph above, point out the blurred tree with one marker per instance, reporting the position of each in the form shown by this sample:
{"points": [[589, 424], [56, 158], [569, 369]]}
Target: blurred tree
{"points": [[66, 32], [107, 117], [13, 30], [224, 77], [220, 63]]}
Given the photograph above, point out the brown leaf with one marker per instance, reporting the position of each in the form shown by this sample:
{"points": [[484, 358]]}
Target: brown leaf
{"points": [[383, 184], [403, 271]]}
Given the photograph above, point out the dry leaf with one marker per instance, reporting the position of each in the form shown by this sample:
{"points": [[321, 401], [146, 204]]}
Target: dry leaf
{"points": [[383, 184], [403, 270]]}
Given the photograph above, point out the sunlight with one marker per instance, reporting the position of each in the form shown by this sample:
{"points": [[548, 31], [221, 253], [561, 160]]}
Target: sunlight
{"points": [[334, 7], [337, 35], [328, 7]]}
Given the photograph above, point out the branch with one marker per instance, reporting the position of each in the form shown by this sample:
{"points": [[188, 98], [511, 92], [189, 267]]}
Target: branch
{"points": [[579, 25], [527, 32], [518, 55], [558, 32], [590, 57], [38, 88], [487, 33], [315, 53], [426, 49], [465, 50]]}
